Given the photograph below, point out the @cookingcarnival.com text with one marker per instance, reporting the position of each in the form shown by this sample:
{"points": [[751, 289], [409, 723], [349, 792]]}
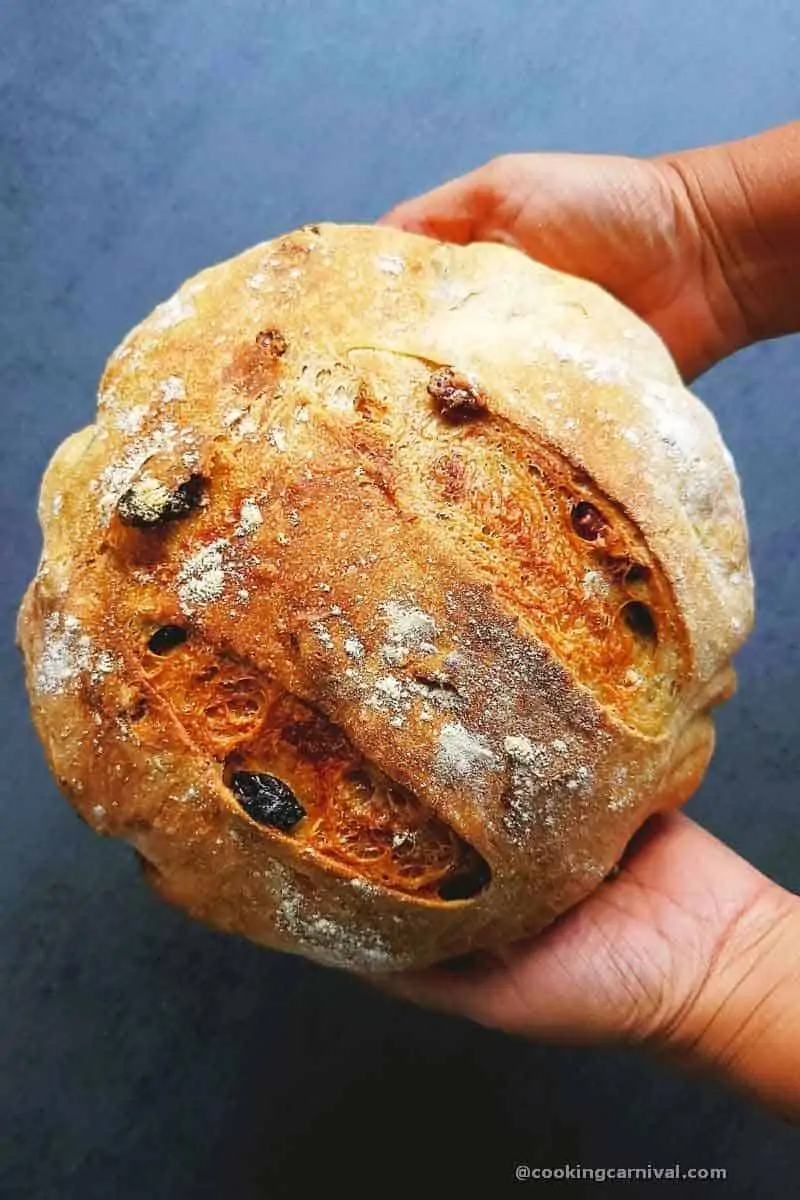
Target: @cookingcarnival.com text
{"points": [[611, 1174]]}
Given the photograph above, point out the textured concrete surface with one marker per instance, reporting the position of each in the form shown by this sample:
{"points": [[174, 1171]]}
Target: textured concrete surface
{"points": [[143, 1056]]}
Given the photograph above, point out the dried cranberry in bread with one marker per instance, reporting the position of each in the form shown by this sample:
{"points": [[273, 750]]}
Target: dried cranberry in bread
{"points": [[387, 596]]}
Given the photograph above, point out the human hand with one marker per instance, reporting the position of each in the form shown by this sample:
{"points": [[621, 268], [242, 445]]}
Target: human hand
{"points": [[704, 246], [688, 946]]}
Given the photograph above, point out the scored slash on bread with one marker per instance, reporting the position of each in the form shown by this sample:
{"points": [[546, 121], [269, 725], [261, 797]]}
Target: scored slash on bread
{"points": [[387, 596]]}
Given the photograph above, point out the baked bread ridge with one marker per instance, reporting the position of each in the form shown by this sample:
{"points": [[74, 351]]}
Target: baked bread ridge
{"points": [[307, 384]]}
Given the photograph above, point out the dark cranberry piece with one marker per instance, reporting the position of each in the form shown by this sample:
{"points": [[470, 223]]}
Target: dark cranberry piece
{"points": [[455, 395], [273, 341], [137, 711], [640, 620], [267, 799], [467, 884], [166, 638], [637, 573], [587, 522], [147, 502], [186, 497]]}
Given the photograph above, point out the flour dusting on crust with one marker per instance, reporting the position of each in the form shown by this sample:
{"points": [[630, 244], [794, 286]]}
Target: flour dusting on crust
{"points": [[330, 939], [462, 756], [67, 653], [201, 579]]}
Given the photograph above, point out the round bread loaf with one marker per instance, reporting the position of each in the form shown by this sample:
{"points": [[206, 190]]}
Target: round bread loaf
{"points": [[387, 596]]}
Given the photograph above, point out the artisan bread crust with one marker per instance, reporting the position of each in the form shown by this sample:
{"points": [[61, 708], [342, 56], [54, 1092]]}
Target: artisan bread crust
{"points": [[294, 382]]}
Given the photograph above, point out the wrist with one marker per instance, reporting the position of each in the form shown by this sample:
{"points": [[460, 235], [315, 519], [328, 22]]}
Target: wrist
{"points": [[741, 1020], [742, 202]]}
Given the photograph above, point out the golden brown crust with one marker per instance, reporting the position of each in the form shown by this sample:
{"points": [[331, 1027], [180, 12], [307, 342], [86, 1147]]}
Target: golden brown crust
{"points": [[432, 536]]}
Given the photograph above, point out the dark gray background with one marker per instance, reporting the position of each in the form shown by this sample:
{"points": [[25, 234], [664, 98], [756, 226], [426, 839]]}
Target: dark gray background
{"points": [[143, 1056]]}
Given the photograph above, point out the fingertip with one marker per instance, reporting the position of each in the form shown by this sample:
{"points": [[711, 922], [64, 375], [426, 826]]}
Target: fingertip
{"points": [[404, 216], [453, 212]]}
